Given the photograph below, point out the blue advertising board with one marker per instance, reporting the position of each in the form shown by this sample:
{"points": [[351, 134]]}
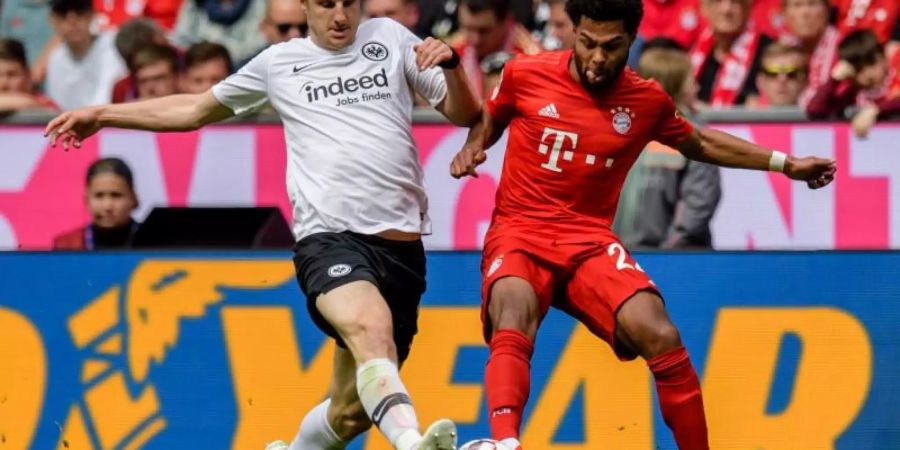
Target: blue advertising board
{"points": [[216, 351]]}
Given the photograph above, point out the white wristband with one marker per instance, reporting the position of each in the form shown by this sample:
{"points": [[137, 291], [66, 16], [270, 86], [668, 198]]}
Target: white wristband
{"points": [[776, 162]]}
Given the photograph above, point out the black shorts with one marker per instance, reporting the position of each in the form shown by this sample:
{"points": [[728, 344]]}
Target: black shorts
{"points": [[325, 261]]}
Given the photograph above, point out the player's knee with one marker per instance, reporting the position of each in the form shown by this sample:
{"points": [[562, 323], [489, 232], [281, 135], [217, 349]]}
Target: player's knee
{"points": [[349, 420], [370, 338], [660, 339]]}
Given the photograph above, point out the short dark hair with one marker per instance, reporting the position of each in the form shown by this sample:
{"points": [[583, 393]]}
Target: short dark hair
{"points": [[500, 8], [630, 12], [861, 48], [113, 166], [136, 34], [13, 50], [63, 7], [202, 52], [152, 54]]}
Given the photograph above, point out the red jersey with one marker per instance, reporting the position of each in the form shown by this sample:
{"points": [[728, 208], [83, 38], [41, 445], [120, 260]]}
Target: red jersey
{"points": [[880, 16], [679, 20], [767, 17], [568, 151]]}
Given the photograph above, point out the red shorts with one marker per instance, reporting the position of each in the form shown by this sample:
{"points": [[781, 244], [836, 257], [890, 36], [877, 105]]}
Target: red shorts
{"points": [[590, 281]]}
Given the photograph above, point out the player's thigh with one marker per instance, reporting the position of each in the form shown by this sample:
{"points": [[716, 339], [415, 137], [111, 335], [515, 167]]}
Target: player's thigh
{"points": [[361, 317], [338, 275], [346, 413], [517, 291], [600, 287]]}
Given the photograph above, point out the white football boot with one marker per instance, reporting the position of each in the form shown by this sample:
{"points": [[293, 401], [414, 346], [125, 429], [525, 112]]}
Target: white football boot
{"points": [[441, 435]]}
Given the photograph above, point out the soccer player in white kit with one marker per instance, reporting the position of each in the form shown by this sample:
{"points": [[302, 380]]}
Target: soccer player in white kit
{"points": [[345, 96]]}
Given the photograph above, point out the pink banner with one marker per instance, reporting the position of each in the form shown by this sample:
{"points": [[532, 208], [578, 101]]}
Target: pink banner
{"points": [[42, 189]]}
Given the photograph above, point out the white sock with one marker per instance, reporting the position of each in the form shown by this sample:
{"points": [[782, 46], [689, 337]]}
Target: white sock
{"points": [[511, 443], [388, 404], [316, 433]]}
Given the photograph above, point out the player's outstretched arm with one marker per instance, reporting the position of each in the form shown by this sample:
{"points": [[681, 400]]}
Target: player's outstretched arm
{"points": [[723, 149], [461, 105], [482, 136], [180, 112]]}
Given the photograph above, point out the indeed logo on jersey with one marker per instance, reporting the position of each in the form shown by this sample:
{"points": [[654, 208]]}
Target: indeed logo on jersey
{"points": [[343, 86]]}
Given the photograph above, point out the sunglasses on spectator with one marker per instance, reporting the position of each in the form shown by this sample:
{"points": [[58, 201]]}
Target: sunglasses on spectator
{"points": [[791, 72], [285, 28]]}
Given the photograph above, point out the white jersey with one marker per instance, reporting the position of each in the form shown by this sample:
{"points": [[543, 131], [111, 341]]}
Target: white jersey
{"points": [[76, 83], [352, 163]]}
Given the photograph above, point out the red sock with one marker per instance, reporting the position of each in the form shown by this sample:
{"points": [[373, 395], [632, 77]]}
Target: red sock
{"points": [[680, 399], [507, 381]]}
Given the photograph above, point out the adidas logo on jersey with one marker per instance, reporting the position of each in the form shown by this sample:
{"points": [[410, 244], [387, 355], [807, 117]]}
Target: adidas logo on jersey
{"points": [[549, 111]]}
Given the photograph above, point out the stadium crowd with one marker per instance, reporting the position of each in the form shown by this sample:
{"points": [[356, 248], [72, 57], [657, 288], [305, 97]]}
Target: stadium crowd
{"points": [[820, 55]]}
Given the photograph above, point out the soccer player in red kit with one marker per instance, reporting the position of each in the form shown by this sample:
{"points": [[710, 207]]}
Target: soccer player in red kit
{"points": [[577, 121]]}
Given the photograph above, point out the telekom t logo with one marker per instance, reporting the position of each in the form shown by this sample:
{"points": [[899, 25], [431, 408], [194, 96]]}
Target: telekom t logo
{"points": [[559, 139]]}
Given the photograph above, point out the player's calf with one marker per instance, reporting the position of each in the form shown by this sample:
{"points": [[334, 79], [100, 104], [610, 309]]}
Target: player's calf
{"points": [[348, 419], [644, 325], [514, 312]]}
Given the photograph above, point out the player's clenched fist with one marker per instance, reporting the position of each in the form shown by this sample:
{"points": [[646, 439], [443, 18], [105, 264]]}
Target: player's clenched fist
{"points": [[435, 52], [466, 160], [72, 127], [817, 172]]}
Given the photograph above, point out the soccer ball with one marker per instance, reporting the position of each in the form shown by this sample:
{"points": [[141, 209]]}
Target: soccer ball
{"points": [[484, 444]]}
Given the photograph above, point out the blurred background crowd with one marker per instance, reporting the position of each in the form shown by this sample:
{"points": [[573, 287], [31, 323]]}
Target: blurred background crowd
{"points": [[820, 55]]}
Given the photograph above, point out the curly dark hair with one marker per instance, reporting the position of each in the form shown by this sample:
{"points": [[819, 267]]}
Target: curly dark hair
{"points": [[630, 12]]}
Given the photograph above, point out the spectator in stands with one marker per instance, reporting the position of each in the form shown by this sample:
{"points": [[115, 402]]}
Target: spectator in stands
{"points": [[163, 12], [155, 71], [232, 23], [437, 18], [560, 28], [404, 11], [782, 77], [727, 55], [284, 20], [205, 64], [111, 199], [878, 16], [668, 201], [806, 25], [112, 14], [488, 27], [82, 71], [679, 20], [863, 77], [137, 34], [132, 36], [16, 91], [767, 16], [26, 22], [492, 68]]}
